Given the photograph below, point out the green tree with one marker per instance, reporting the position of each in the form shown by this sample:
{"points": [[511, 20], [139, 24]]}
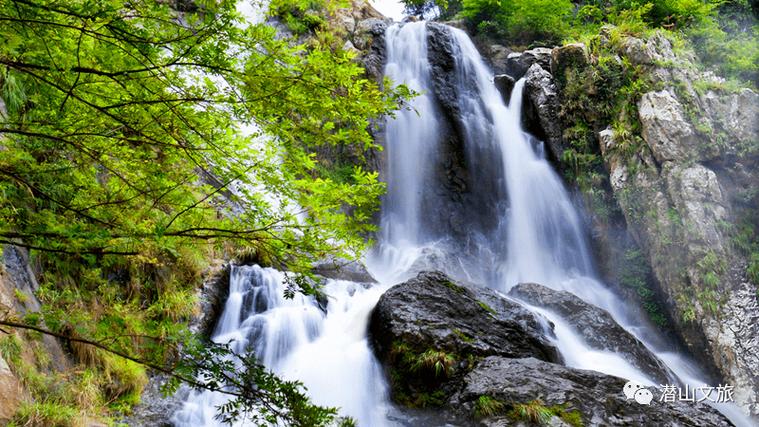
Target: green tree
{"points": [[520, 20], [137, 140]]}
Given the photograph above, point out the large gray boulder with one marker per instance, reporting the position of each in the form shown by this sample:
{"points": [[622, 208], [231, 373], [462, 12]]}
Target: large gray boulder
{"points": [[596, 399], [595, 326], [431, 311], [664, 127], [429, 331]]}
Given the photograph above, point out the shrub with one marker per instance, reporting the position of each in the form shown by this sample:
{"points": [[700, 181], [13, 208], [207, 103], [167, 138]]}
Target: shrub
{"points": [[534, 411], [487, 406]]}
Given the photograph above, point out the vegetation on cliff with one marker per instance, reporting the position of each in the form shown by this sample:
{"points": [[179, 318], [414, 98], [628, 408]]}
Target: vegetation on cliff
{"points": [[725, 32]]}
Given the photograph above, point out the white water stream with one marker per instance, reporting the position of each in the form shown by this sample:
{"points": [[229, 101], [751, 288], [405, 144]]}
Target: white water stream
{"points": [[538, 237]]}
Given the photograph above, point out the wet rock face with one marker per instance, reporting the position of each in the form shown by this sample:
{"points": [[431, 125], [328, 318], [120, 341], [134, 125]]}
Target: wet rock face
{"points": [[431, 311], [596, 326], [369, 38], [497, 55], [540, 111], [442, 53], [596, 398], [212, 294], [429, 331], [154, 409]]}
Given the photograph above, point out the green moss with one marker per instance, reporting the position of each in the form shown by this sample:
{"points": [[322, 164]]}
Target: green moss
{"points": [[454, 287], [339, 172], [464, 337], [432, 399], [486, 307], [711, 268], [636, 274], [20, 296], [299, 16], [687, 309], [571, 417]]}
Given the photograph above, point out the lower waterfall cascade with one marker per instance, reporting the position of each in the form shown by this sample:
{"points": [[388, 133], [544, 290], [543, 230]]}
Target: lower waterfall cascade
{"points": [[536, 234]]}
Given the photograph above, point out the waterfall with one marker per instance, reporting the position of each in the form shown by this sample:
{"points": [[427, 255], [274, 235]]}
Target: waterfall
{"points": [[328, 352], [539, 236], [512, 221]]}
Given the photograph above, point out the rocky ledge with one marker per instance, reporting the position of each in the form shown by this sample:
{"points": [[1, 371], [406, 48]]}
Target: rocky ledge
{"points": [[480, 358], [595, 326]]}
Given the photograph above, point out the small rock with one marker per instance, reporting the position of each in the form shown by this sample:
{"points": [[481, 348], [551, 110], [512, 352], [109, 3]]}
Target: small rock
{"points": [[339, 269], [517, 64], [505, 84], [606, 140]]}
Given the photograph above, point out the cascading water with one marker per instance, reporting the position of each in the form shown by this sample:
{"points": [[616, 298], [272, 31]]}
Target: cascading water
{"points": [[545, 240], [328, 352], [515, 223]]}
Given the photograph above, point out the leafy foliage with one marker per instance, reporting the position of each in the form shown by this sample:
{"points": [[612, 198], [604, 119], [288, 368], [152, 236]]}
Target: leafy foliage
{"points": [[139, 141], [520, 20], [636, 274], [300, 16], [417, 374], [257, 395]]}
